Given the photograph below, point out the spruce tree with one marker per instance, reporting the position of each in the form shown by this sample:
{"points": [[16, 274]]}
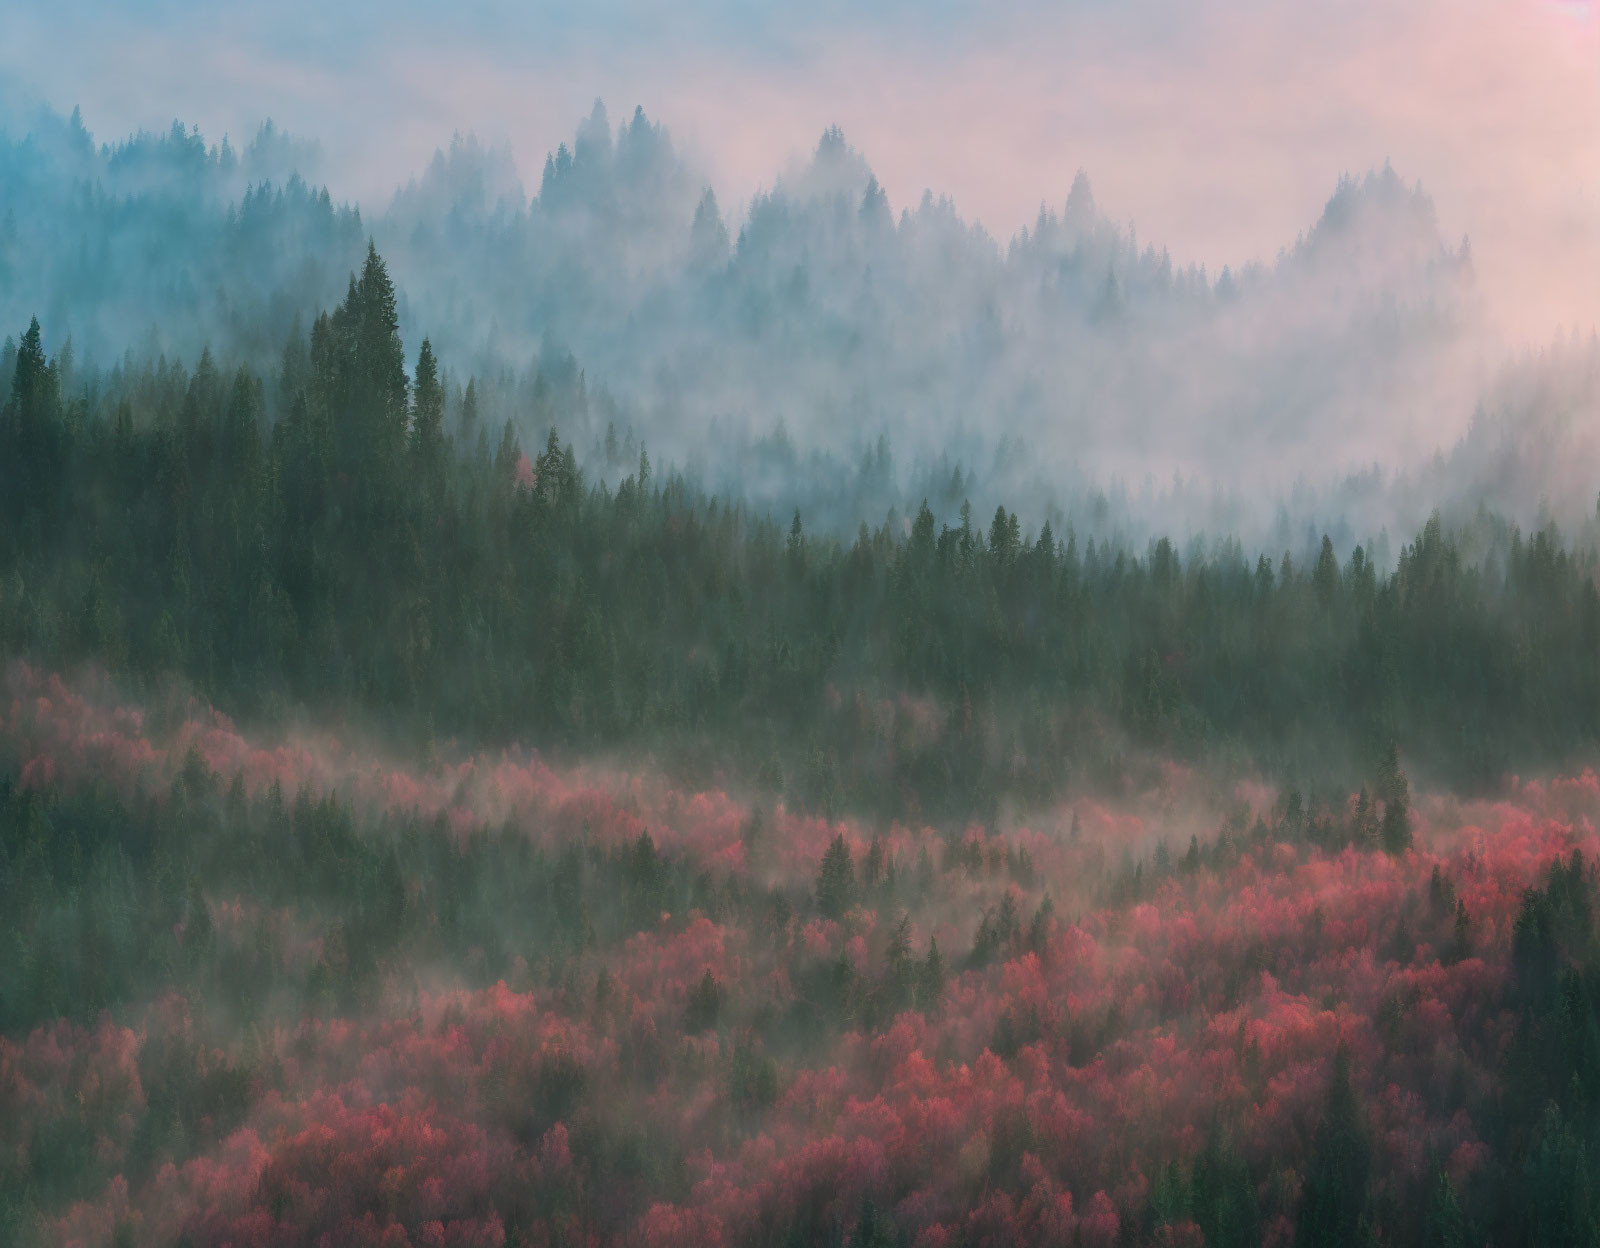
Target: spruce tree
{"points": [[427, 425], [930, 979], [1395, 790], [1333, 1203], [836, 882], [34, 446]]}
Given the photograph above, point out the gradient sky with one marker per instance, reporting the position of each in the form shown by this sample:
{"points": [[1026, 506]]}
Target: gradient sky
{"points": [[1216, 128]]}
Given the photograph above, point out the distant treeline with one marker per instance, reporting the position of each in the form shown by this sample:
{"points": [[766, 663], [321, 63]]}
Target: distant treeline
{"points": [[346, 548]]}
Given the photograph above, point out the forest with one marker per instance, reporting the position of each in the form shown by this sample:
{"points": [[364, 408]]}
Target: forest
{"points": [[772, 347], [613, 718], [353, 546], [606, 861]]}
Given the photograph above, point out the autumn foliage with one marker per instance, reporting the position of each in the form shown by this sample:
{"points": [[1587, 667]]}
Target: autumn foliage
{"points": [[506, 1001]]}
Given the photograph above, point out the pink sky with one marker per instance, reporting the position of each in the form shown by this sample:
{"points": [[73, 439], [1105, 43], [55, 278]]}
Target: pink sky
{"points": [[1217, 129]]}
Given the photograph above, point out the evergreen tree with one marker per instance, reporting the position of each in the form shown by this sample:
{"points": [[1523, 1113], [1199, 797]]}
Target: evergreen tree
{"points": [[506, 459], [1333, 1202], [872, 1229], [898, 962], [1559, 1204], [708, 236], [366, 377], [705, 1005], [1325, 577], [930, 979], [1223, 1198], [1395, 791], [34, 447], [796, 548], [427, 425], [1443, 1225], [836, 881]]}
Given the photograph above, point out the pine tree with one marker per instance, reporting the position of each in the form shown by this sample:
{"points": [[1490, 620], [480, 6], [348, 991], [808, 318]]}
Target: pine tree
{"points": [[872, 1229], [506, 460], [1461, 934], [930, 979], [1395, 790], [1333, 1203], [872, 867], [836, 882], [1003, 538], [1442, 1223], [1039, 928], [708, 236], [1325, 578], [705, 1005], [897, 960], [1561, 1196], [1222, 1196], [34, 447], [241, 435], [796, 547], [31, 382], [427, 425], [1364, 831], [370, 383]]}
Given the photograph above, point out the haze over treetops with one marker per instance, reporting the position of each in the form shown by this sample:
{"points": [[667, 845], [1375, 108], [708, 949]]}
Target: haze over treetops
{"points": [[651, 683]]}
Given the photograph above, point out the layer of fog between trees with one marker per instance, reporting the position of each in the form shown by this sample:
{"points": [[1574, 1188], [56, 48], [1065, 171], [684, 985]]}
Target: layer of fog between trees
{"points": [[823, 348]]}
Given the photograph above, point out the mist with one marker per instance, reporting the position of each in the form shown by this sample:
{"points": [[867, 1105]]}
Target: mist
{"points": [[890, 626], [828, 350], [1221, 259]]}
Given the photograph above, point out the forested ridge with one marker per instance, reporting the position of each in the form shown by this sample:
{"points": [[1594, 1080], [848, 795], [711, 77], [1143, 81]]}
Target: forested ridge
{"points": [[769, 344], [353, 547], [412, 838]]}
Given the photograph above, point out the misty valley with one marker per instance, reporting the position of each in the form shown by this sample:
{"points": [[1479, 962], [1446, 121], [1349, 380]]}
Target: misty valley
{"points": [[604, 718]]}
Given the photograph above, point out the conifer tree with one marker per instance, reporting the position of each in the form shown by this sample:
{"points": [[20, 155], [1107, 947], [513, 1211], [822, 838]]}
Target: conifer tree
{"points": [[836, 882], [1325, 578], [1395, 790], [427, 425], [930, 979], [34, 447], [1333, 1202]]}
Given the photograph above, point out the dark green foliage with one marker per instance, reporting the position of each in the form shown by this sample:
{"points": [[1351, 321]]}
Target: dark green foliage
{"points": [[428, 446], [1018, 1027], [752, 1081], [1039, 929], [109, 901], [313, 537], [1333, 1205], [1222, 1198], [998, 932], [1555, 1054], [836, 881], [644, 889], [1461, 935], [1443, 1225], [900, 969], [930, 979], [327, 536], [1561, 1198], [34, 441], [872, 1229], [1395, 792], [1441, 893], [705, 1005]]}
